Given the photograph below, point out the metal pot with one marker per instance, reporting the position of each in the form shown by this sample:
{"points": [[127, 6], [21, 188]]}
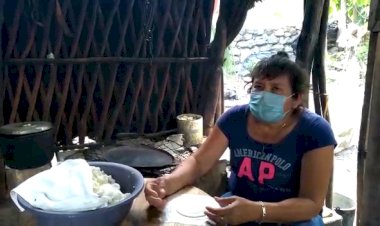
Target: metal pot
{"points": [[27, 145]]}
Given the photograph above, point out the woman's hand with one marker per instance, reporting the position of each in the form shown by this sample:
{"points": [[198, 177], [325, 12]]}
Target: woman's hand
{"points": [[155, 192], [234, 211]]}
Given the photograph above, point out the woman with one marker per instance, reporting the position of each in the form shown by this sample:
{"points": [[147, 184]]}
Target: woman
{"points": [[281, 154]]}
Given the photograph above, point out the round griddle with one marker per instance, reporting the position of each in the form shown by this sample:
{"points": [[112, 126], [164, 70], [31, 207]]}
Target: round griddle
{"points": [[139, 156]]}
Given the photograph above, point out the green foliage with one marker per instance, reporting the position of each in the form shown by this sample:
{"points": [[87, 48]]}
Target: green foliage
{"points": [[362, 51], [228, 66], [356, 10]]}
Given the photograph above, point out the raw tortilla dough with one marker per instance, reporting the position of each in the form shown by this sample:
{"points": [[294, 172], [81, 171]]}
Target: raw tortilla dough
{"points": [[193, 206]]}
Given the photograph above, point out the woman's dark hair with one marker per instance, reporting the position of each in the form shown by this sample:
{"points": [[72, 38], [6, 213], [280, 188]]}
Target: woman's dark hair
{"points": [[278, 65]]}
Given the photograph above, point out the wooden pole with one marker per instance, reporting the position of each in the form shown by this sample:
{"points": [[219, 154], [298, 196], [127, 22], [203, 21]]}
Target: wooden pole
{"points": [[319, 81], [211, 95], [216, 53], [3, 187], [365, 120], [2, 85], [231, 19], [309, 37], [364, 128], [371, 196]]}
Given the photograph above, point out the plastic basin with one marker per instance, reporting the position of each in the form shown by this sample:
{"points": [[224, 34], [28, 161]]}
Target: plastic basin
{"points": [[130, 181]]}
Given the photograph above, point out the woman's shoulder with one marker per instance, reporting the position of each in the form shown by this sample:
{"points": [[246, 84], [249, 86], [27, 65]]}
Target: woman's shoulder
{"points": [[316, 130], [237, 110], [312, 120], [232, 120]]}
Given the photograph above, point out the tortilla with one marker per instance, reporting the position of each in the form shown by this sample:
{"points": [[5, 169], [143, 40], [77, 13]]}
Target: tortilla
{"points": [[193, 206]]}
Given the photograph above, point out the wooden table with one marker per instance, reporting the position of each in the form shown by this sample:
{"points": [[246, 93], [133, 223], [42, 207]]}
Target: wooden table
{"points": [[142, 214]]}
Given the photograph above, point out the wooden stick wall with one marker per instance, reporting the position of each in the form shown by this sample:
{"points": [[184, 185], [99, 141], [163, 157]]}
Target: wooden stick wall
{"points": [[98, 67]]}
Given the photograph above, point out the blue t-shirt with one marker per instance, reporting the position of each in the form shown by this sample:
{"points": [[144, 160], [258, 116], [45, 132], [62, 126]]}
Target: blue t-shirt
{"points": [[270, 172]]}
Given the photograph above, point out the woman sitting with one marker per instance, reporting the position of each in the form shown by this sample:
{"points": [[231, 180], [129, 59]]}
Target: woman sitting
{"points": [[281, 154]]}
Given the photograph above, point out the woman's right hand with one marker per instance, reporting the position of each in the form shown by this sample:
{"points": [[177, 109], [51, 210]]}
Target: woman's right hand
{"points": [[156, 191]]}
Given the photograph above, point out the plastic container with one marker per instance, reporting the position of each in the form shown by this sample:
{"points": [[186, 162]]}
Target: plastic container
{"points": [[191, 126], [345, 207], [130, 181]]}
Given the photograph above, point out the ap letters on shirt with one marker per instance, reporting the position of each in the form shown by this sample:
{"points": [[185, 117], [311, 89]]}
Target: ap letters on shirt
{"points": [[266, 170]]}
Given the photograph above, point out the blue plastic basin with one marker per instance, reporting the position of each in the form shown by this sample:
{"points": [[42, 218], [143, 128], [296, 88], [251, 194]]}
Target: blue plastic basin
{"points": [[130, 181]]}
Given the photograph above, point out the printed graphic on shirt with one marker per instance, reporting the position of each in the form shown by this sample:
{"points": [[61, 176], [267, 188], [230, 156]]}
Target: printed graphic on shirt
{"points": [[261, 167], [268, 157]]}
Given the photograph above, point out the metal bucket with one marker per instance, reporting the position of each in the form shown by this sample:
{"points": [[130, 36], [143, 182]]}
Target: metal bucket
{"points": [[345, 207]]}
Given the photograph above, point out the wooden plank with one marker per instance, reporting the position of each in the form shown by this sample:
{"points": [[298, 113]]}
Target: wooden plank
{"points": [[371, 195], [374, 14]]}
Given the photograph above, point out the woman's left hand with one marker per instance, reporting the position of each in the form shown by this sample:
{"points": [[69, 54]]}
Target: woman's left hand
{"points": [[234, 210]]}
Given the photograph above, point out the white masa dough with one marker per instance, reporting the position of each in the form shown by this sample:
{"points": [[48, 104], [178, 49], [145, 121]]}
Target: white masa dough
{"points": [[106, 187], [193, 206]]}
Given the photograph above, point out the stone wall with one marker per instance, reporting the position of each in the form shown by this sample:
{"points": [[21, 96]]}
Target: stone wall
{"points": [[251, 45]]}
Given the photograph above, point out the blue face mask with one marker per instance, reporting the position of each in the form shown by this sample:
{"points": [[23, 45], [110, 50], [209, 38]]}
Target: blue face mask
{"points": [[267, 107]]}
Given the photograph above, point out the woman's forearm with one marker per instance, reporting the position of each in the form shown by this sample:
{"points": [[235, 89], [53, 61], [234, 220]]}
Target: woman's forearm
{"points": [[198, 163], [291, 210], [185, 174]]}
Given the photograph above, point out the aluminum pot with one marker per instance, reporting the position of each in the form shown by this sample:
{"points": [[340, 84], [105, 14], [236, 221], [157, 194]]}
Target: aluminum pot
{"points": [[27, 145]]}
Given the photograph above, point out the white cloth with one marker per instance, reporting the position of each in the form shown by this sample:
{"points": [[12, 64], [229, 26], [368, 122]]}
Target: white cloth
{"points": [[65, 187], [188, 209]]}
